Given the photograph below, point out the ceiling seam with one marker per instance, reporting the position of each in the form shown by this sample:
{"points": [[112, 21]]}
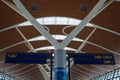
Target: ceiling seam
{"points": [[103, 47], [28, 43]]}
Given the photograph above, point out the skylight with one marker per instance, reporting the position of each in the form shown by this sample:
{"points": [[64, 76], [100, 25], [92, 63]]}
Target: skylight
{"points": [[56, 21], [57, 37], [52, 48]]}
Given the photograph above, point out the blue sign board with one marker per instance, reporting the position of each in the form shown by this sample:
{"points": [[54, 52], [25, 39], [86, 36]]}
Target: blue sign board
{"points": [[84, 58], [29, 58], [60, 74]]}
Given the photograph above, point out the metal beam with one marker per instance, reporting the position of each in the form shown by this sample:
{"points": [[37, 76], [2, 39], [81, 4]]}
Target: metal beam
{"points": [[84, 42], [82, 45], [108, 30], [104, 6], [32, 49], [45, 74], [96, 26], [11, 5], [103, 48], [71, 35], [16, 9], [29, 45], [10, 27], [11, 46], [99, 47], [17, 25], [40, 28], [89, 17]]}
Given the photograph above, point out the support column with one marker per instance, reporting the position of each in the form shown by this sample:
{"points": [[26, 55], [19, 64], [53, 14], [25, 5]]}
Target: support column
{"points": [[60, 64]]}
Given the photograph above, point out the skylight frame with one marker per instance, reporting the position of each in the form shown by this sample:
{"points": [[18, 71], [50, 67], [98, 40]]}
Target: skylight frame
{"points": [[56, 20], [56, 36], [44, 48]]}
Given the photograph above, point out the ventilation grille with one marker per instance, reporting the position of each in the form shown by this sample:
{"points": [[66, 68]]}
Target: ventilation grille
{"points": [[34, 7], [83, 7]]}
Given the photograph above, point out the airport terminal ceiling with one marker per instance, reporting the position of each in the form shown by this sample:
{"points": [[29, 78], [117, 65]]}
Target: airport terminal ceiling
{"points": [[59, 17]]}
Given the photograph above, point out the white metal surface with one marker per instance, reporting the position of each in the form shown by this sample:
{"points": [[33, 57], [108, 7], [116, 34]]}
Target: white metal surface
{"points": [[11, 46], [109, 31], [11, 5], [84, 43], [36, 24], [89, 17], [71, 35], [45, 74]]}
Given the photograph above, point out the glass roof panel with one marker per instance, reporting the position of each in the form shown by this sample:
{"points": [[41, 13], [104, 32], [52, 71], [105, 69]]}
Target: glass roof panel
{"points": [[73, 21], [61, 20], [49, 20], [57, 37], [55, 21]]}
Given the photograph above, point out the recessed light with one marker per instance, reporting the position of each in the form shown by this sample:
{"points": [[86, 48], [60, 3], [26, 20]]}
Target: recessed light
{"points": [[83, 7], [34, 7]]}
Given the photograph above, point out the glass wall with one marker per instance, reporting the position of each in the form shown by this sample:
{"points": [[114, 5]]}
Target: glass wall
{"points": [[4, 76], [112, 75]]}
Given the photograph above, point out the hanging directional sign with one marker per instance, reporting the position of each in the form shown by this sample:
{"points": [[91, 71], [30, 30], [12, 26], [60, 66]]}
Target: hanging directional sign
{"points": [[29, 58], [87, 58]]}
